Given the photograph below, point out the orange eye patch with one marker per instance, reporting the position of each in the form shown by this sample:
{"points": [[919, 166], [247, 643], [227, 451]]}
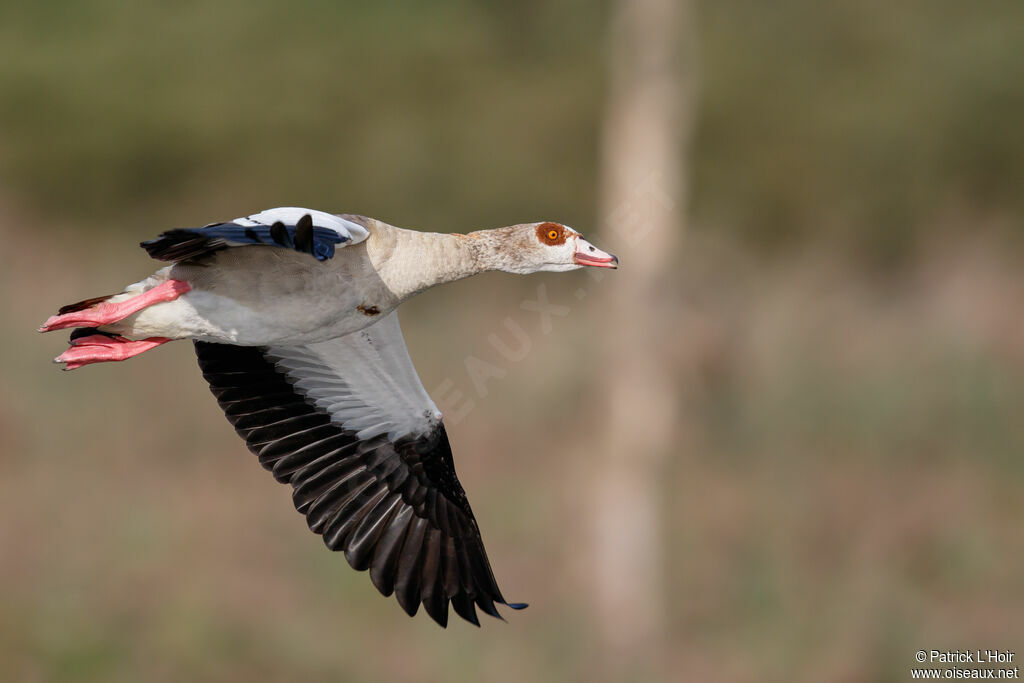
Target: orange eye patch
{"points": [[551, 234]]}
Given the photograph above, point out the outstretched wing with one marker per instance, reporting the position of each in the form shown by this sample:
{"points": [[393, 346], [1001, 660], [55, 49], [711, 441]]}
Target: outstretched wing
{"points": [[348, 424], [306, 230]]}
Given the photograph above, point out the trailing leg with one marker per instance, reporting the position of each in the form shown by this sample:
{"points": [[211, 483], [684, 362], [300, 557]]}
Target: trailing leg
{"points": [[91, 346], [101, 311]]}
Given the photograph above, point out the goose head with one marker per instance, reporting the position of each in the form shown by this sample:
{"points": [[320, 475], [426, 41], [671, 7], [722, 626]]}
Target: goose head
{"points": [[549, 247]]}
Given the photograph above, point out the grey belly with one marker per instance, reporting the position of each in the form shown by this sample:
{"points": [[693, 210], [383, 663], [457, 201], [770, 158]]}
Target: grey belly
{"points": [[254, 296], [288, 320]]}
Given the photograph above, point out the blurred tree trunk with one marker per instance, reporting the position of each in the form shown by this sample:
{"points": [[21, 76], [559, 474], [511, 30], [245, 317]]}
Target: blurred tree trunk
{"points": [[647, 124]]}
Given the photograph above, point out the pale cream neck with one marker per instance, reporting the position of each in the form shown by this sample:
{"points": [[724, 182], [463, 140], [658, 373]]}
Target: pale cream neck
{"points": [[409, 261]]}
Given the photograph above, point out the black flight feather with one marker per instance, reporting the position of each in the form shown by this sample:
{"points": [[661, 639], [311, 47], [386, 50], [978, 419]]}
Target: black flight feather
{"points": [[395, 508]]}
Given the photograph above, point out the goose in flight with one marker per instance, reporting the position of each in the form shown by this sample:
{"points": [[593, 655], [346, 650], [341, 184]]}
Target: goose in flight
{"points": [[292, 314]]}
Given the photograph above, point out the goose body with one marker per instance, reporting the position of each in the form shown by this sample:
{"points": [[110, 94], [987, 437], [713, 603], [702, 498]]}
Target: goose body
{"points": [[293, 316]]}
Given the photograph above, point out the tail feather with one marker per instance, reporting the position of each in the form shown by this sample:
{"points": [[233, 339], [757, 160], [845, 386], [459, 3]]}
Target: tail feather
{"points": [[79, 332], [82, 305]]}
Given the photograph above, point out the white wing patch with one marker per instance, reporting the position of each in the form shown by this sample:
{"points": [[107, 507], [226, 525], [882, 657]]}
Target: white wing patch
{"points": [[290, 215], [365, 381]]}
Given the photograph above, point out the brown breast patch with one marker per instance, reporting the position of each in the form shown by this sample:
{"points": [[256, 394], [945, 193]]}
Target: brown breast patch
{"points": [[367, 310]]}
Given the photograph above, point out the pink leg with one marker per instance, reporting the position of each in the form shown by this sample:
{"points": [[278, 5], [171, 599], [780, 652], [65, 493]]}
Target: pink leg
{"points": [[99, 348], [106, 312]]}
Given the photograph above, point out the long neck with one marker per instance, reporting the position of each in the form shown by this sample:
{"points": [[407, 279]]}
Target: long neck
{"points": [[410, 261]]}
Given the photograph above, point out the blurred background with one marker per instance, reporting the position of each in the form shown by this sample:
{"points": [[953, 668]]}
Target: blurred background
{"points": [[782, 443]]}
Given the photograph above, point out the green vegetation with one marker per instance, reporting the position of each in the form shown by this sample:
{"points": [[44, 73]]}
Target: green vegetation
{"points": [[873, 122]]}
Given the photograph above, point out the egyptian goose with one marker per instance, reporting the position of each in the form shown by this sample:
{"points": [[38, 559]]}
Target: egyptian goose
{"points": [[292, 313]]}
